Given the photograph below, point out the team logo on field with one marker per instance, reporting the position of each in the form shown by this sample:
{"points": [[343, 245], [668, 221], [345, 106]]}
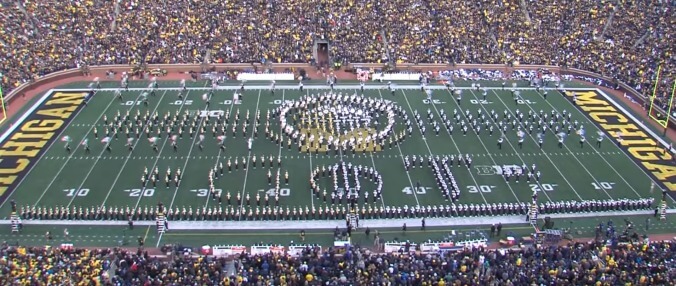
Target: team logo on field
{"points": [[484, 170], [338, 122]]}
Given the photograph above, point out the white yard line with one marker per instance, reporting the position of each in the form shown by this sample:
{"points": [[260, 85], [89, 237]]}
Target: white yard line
{"points": [[564, 146], [401, 156], [75, 150], [187, 159], [123, 165], [509, 186], [248, 158], [185, 165], [523, 162], [593, 147], [218, 158], [541, 151], [164, 142], [456, 147], [312, 195], [382, 195]]}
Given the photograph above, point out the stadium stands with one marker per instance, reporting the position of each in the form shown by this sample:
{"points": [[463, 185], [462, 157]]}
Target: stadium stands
{"points": [[571, 264], [623, 39], [627, 40]]}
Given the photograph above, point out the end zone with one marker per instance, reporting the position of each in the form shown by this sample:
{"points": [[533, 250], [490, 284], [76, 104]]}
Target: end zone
{"points": [[23, 144], [638, 141]]}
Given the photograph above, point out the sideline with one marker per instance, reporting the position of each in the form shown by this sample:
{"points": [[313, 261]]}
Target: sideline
{"points": [[331, 224]]}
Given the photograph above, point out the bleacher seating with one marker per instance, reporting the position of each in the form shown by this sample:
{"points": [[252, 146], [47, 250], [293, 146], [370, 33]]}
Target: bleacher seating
{"points": [[571, 264], [628, 40]]}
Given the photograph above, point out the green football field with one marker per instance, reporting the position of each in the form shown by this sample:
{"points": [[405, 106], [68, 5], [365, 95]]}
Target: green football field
{"points": [[112, 178]]}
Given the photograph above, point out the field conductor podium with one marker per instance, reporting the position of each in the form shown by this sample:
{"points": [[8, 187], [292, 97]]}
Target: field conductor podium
{"points": [[353, 218], [15, 220], [160, 220]]}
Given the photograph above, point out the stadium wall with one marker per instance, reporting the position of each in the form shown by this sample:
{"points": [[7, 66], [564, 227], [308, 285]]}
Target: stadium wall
{"points": [[100, 71]]}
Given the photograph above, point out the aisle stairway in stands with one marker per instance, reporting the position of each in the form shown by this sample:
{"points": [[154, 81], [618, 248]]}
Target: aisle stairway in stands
{"points": [[609, 22], [30, 20], [386, 47], [230, 267], [323, 54], [524, 9], [113, 22]]}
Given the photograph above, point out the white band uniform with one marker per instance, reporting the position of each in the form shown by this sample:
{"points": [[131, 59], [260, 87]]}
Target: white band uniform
{"points": [[335, 105]]}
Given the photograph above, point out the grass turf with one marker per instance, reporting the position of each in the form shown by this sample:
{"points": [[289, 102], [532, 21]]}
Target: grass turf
{"points": [[113, 179]]}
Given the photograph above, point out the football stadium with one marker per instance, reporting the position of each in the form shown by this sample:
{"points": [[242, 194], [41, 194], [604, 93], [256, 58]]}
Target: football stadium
{"points": [[325, 143]]}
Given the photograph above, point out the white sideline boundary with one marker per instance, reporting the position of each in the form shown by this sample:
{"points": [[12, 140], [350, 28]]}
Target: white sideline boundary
{"points": [[349, 87], [331, 224], [28, 112]]}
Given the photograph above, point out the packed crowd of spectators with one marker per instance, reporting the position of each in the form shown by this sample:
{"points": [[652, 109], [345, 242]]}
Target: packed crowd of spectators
{"points": [[572, 264], [618, 38]]}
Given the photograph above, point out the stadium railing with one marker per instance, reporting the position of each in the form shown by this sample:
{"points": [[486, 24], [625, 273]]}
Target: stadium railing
{"points": [[101, 71]]}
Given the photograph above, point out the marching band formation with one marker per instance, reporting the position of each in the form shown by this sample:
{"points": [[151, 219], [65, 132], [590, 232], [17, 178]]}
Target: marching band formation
{"points": [[369, 211], [351, 189], [342, 123]]}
